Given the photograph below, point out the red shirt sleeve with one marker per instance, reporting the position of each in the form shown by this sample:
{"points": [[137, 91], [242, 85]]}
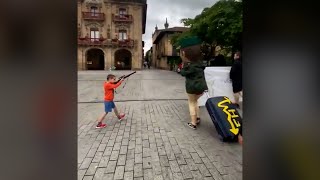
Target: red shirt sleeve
{"points": [[112, 86]]}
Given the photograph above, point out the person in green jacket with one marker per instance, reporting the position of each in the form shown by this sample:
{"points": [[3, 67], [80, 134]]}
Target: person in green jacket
{"points": [[193, 71]]}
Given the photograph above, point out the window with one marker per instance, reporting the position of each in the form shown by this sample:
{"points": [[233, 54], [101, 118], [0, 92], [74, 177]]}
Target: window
{"points": [[122, 35], [94, 11], [122, 12], [94, 34]]}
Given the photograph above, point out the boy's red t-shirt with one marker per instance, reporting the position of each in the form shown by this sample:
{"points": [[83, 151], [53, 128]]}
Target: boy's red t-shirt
{"points": [[109, 90]]}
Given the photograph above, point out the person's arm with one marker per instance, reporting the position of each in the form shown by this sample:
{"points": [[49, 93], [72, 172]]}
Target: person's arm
{"points": [[114, 86], [185, 70], [232, 71]]}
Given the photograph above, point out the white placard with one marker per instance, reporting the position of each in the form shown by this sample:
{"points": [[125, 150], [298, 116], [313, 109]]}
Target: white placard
{"points": [[219, 83]]}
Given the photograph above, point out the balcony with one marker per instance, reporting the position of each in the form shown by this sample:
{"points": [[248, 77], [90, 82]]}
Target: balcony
{"points": [[124, 18], [85, 41], [91, 41], [93, 16], [129, 43]]}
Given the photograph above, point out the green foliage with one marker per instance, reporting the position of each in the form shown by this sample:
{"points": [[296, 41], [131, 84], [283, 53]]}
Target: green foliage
{"points": [[220, 24]]}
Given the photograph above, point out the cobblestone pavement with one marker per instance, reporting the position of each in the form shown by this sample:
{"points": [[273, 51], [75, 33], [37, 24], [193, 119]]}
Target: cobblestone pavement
{"points": [[153, 142]]}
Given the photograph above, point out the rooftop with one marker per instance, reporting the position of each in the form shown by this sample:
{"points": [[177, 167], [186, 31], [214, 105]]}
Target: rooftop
{"points": [[161, 32]]}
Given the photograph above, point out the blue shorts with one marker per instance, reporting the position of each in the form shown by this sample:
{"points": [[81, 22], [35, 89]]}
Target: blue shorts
{"points": [[108, 106]]}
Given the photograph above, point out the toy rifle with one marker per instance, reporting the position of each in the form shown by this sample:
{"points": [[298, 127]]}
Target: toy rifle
{"points": [[124, 77]]}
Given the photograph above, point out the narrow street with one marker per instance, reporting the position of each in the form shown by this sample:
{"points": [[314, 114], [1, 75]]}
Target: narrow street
{"points": [[153, 142]]}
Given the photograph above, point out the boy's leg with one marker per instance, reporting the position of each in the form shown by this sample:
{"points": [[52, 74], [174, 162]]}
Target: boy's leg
{"points": [[117, 113], [102, 117], [193, 105]]}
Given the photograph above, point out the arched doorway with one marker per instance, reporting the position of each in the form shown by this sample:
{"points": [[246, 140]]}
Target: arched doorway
{"points": [[123, 59], [95, 59]]}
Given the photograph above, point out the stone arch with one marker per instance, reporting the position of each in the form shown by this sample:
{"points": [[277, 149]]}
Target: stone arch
{"points": [[123, 59], [95, 59]]}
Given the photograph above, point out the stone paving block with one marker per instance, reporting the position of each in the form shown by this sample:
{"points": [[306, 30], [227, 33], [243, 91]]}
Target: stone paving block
{"points": [[130, 154], [158, 177], [92, 169], [119, 172], [186, 172], [145, 143], [167, 173], [138, 178], [81, 173], [122, 160], [159, 142], [177, 176], [86, 163], [191, 165], [197, 175], [99, 175], [207, 163], [131, 145], [138, 171], [174, 166], [164, 161], [215, 174], [111, 167], [126, 134], [156, 166], [138, 141], [125, 142], [146, 152], [162, 151], [147, 164], [97, 157], [100, 136], [87, 178], [111, 142], [119, 139], [203, 169], [148, 174], [92, 152], [102, 147], [176, 149], [186, 154], [128, 175], [200, 152], [114, 155], [180, 159], [117, 146], [104, 161], [107, 151], [196, 158], [138, 158], [108, 176], [123, 150], [129, 165], [232, 177], [138, 149]]}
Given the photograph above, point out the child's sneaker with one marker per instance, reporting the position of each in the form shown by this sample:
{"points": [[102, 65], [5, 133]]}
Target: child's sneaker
{"points": [[100, 125], [121, 116]]}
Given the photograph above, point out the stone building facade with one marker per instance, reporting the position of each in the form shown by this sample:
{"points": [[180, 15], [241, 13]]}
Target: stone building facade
{"points": [[110, 34], [162, 49]]}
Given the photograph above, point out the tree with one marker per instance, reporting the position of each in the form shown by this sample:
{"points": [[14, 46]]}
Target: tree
{"points": [[220, 25]]}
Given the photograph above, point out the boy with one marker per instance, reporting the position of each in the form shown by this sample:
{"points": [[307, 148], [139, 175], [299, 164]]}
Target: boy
{"points": [[193, 71], [109, 87]]}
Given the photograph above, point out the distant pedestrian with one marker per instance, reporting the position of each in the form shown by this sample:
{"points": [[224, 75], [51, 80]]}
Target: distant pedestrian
{"points": [[193, 70], [145, 64], [109, 87]]}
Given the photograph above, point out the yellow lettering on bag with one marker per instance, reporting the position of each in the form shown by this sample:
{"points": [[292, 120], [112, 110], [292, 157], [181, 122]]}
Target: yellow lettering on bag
{"points": [[230, 115]]}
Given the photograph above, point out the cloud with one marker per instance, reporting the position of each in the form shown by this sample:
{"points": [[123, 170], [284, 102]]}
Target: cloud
{"points": [[174, 10]]}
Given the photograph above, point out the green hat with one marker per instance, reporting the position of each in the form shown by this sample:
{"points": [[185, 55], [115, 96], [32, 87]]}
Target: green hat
{"points": [[189, 41]]}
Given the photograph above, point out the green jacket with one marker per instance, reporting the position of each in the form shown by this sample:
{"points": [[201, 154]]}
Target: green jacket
{"points": [[195, 80]]}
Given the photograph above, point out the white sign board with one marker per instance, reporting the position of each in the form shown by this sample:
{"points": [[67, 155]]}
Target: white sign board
{"points": [[219, 84]]}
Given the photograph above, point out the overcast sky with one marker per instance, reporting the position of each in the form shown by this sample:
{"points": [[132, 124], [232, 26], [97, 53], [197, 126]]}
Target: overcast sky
{"points": [[174, 10]]}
